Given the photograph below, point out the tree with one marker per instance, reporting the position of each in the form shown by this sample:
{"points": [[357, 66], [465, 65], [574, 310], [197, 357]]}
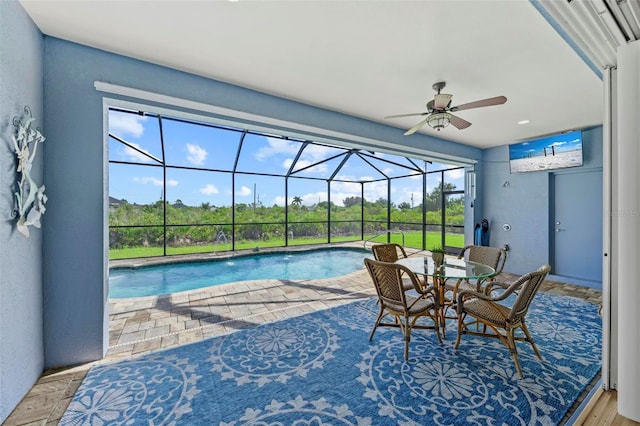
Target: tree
{"points": [[381, 202], [296, 202], [404, 206], [434, 198], [324, 204], [352, 201]]}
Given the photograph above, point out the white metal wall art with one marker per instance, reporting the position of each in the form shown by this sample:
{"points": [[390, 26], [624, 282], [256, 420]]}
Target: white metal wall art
{"points": [[30, 198]]}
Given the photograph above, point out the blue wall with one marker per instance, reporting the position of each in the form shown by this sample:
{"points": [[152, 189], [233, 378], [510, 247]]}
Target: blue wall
{"points": [[75, 268], [526, 204], [21, 337]]}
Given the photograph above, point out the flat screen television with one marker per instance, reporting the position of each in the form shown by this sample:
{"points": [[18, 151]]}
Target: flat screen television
{"points": [[548, 153]]}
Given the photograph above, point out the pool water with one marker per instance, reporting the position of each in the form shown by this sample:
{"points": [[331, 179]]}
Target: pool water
{"points": [[176, 277]]}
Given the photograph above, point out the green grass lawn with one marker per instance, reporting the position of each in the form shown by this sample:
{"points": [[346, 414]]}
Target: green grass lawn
{"points": [[411, 239]]}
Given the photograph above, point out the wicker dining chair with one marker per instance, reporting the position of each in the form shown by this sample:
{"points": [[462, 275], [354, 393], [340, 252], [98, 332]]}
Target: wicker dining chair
{"points": [[388, 252], [501, 319], [491, 256], [393, 300], [391, 252]]}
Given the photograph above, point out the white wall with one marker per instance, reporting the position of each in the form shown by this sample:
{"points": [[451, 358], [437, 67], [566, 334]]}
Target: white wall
{"points": [[21, 337], [625, 239]]}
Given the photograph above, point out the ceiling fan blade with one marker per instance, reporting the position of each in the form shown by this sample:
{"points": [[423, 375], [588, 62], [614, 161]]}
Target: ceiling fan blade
{"points": [[416, 127], [406, 115], [441, 100], [458, 122], [498, 100]]}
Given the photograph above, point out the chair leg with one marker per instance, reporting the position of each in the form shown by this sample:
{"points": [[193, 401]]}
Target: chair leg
{"points": [[514, 352], [530, 340], [375, 326], [436, 325], [406, 331], [406, 347], [460, 330]]}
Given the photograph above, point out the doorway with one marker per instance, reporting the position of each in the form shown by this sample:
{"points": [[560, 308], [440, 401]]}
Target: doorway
{"points": [[576, 233]]}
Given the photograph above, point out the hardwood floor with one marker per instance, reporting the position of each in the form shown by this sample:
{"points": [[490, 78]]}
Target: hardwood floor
{"points": [[603, 410]]}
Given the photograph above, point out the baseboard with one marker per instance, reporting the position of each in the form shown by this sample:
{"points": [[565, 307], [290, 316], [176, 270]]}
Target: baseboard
{"points": [[577, 281], [583, 410]]}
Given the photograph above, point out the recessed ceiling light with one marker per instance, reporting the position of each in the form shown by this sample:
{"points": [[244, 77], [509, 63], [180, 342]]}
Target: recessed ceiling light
{"points": [[524, 122]]}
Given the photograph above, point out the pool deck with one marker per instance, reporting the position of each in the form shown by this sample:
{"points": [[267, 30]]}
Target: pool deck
{"points": [[142, 325]]}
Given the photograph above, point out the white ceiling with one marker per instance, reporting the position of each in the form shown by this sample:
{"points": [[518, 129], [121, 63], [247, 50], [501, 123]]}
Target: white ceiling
{"points": [[368, 59]]}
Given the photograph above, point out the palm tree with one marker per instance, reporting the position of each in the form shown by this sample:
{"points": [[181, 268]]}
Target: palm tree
{"points": [[296, 202]]}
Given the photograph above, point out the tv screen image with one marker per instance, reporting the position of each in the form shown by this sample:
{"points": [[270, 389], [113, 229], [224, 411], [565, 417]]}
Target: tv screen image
{"points": [[548, 153]]}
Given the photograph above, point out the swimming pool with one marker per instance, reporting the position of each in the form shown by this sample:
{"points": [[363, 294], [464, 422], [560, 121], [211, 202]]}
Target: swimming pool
{"points": [[176, 277]]}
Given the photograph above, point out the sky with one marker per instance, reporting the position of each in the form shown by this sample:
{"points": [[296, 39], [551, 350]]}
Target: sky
{"points": [[199, 146]]}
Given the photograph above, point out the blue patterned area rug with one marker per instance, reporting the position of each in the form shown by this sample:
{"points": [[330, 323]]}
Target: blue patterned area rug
{"points": [[321, 369]]}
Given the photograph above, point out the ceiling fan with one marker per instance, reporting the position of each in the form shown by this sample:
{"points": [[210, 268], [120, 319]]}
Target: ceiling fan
{"points": [[438, 113]]}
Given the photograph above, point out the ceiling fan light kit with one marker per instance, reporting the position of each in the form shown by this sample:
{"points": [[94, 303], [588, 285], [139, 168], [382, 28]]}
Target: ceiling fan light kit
{"points": [[439, 121], [438, 114]]}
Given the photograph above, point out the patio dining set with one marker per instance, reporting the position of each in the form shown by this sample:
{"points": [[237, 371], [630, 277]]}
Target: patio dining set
{"points": [[466, 289]]}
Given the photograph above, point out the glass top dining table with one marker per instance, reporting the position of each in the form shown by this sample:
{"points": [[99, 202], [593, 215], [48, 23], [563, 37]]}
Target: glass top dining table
{"points": [[452, 268]]}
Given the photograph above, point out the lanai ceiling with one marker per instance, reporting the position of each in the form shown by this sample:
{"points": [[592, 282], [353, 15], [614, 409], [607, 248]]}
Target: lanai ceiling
{"points": [[368, 59]]}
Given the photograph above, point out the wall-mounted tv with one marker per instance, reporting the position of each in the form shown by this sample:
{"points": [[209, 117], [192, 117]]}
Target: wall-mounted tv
{"points": [[548, 153]]}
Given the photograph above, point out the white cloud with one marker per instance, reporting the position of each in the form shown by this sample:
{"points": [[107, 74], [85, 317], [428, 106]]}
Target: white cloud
{"points": [[123, 125], [277, 146], [209, 189], [455, 174], [154, 181], [279, 200], [244, 191], [315, 153], [375, 190], [308, 199], [372, 192], [287, 163], [301, 164], [136, 156], [405, 196], [314, 198], [196, 154], [353, 187], [312, 154]]}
